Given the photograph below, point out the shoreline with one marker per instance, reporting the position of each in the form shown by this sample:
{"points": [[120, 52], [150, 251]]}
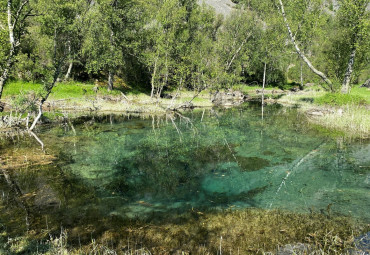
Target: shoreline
{"points": [[350, 120]]}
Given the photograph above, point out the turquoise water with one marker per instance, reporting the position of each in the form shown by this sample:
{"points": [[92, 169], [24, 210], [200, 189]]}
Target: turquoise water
{"points": [[148, 167]]}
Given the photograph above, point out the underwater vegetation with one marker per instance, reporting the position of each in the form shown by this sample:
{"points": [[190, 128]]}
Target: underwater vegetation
{"points": [[215, 182]]}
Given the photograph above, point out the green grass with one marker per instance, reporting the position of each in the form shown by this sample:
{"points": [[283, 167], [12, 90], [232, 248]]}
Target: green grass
{"points": [[357, 96], [363, 92], [60, 91], [15, 88], [72, 90]]}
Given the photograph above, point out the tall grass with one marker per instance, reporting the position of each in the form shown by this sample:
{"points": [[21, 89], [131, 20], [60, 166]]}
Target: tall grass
{"points": [[353, 121], [348, 114]]}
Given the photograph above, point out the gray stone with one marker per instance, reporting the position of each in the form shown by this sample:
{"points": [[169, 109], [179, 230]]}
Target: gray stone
{"points": [[366, 84], [224, 7], [298, 248]]}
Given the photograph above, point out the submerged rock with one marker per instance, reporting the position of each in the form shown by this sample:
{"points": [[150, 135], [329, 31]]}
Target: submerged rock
{"points": [[298, 248], [252, 163], [362, 244]]}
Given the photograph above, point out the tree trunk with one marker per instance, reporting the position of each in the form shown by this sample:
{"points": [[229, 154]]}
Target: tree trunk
{"points": [[349, 71], [5, 75], [263, 88], [228, 65], [9, 63], [301, 75], [153, 78], [44, 98], [300, 53], [66, 78], [110, 80]]}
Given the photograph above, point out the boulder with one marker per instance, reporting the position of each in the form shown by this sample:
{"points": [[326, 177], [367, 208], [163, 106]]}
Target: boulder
{"points": [[366, 84], [229, 98], [2, 106]]}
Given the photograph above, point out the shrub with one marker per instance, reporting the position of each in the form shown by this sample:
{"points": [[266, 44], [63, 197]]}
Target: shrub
{"points": [[25, 102]]}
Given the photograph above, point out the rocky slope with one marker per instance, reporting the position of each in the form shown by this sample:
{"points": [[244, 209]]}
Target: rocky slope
{"points": [[224, 7]]}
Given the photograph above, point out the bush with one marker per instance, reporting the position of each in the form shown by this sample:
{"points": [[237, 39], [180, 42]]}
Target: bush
{"points": [[25, 102], [336, 99]]}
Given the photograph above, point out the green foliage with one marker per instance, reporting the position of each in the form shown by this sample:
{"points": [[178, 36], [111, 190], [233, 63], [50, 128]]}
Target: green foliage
{"points": [[349, 29], [336, 99], [65, 90], [25, 102], [179, 44]]}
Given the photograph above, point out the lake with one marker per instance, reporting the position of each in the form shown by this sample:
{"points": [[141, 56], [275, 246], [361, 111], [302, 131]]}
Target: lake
{"points": [[104, 172]]}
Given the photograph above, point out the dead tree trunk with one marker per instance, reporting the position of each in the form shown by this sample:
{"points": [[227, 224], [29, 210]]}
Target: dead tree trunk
{"points": [[349, 71], [48, 88], [300, 53]]}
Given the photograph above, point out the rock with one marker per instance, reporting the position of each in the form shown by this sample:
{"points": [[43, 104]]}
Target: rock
{"points": [[295, 89], [316, 113], [167, 96], [319, 112], [362, 244], [366, 84], [2, 106], [309, 85], [298, 248], [224, 7], [229, 98]]}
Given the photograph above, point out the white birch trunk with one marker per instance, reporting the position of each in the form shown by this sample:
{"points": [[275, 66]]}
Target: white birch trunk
{"points": [[110, 80], [69, 71], [153, 78], [349, 71]]}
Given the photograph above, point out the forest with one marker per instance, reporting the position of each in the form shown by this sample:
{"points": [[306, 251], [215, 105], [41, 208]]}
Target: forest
{"points": [[160, 45]]}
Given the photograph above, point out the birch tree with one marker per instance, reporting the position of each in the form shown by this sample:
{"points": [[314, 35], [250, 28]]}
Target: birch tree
{"points": [[298, 49], [353, 18], [56, 23], [102, 47], [17, 13]]}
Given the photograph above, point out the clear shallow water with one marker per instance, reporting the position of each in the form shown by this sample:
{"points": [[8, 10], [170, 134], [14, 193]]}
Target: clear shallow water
{"points": [[146, 168]]}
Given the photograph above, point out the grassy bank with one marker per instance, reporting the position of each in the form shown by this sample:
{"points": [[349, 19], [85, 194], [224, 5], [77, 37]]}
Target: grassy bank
{"points": [[348, 115], [85, 97], [345, 114]]}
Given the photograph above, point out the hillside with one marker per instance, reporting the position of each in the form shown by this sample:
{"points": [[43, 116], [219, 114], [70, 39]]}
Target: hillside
{"points": [[224, 7]]}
